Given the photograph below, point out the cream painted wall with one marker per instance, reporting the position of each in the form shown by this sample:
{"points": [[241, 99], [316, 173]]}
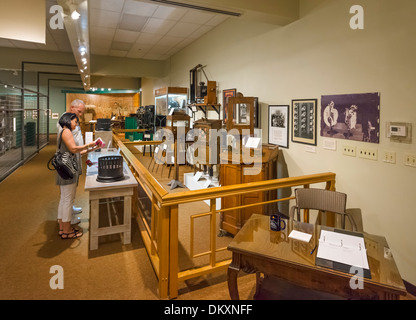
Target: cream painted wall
{"points": [[318, 55]]}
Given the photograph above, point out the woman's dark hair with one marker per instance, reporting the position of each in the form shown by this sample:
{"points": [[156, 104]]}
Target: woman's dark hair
{"points": [[66, 118]]}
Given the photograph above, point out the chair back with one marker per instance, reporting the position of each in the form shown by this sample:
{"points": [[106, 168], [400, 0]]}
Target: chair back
{"points": [[321, 199]]}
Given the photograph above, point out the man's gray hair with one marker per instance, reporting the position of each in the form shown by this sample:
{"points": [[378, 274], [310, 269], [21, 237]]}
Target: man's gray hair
{"points": [[77, 102]]}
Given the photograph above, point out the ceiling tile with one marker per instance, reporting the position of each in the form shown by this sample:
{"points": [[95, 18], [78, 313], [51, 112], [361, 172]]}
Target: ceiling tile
{"points": [[132, 22], [135, 54], [183, 29], [169, 13], [216, 20], [121, 46], [139, 8], [171, 41], [118, 53], [109, 5], [158, 26], [200, 31], [148, 38], [197, 17], [100, 52], [103, 18], [141, 48], [152, 56], [102, 33], [160, 49], [126, 35], [100, 44]]}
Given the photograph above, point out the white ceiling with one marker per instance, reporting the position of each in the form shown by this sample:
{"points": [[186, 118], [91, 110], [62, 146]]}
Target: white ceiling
{"points": [[131, 29]]}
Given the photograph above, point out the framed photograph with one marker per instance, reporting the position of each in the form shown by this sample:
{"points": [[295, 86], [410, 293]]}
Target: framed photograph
{"points": [[225, 95], [304, 121], [279, 126], [351, 117], [257, 113]]}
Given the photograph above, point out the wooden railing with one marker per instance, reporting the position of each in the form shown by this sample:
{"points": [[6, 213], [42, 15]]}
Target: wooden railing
{"points": [[160, 232]]}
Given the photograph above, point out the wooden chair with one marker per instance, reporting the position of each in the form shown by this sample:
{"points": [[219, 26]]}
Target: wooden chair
{"points": [[323, 201]]}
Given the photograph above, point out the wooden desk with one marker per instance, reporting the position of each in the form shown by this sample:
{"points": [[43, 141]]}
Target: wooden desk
{"points": [[257, 249], [98, 190]]}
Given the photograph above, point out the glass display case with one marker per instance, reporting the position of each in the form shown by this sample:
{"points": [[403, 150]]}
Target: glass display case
{"points": [[170, 99]]}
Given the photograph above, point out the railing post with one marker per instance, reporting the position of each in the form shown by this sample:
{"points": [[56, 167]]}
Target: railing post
{"points": [[173, 252], [213, 242], [163, 249]]}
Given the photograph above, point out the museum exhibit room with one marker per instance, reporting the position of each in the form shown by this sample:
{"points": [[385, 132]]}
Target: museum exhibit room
{"points": [[207, 150]]}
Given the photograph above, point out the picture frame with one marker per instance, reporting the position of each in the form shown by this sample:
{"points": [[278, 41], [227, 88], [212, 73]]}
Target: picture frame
{"points": [[351, 116], [226, 94], [279, 125], [304, 119], [257, 113]]}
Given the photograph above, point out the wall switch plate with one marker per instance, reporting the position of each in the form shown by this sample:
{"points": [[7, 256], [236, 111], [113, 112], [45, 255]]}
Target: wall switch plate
{"points": [[389, 157], [349, 151], [410, 160], [367, 153]]}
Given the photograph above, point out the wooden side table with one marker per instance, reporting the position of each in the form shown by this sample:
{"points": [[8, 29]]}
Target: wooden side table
{"points": [[98, 190]]}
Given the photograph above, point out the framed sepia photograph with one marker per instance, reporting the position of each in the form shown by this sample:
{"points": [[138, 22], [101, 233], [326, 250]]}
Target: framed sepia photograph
{"points": [[351, 116], [304, 121], [279, 126], [225, 95]]}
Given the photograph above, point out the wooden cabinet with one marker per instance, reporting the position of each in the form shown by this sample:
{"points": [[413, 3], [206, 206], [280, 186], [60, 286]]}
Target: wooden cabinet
{"points": [[232, 221]]}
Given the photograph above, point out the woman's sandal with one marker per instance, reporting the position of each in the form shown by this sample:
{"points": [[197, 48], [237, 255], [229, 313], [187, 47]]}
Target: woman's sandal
{"points": [[75, 235], [60, 233]]}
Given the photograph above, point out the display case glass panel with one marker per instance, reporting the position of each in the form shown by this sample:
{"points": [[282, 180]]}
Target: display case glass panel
{"points": [[170, 99]]}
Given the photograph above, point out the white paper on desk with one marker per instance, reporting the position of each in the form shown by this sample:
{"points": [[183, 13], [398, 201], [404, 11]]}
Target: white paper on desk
{"points": [[305, 237], [343, 248]]}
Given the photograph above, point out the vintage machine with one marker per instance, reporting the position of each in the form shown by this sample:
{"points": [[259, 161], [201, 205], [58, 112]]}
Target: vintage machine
{"points": [[146, 118], [202, 95], [211, 153]]}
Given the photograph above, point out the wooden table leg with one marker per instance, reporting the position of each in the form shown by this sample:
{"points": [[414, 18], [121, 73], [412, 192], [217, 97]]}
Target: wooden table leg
{"points": [[94, 217], [127, 220], [232, 276]]}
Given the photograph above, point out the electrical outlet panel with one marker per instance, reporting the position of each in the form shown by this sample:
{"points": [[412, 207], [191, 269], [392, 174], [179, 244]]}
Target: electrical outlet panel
{"points": [[410, 160], [349, 151], [389, 157], [367, 153]]}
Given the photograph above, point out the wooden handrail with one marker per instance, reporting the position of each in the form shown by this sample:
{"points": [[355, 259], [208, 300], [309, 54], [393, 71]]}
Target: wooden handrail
{"points": [[143, 143], [232, 190]]}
